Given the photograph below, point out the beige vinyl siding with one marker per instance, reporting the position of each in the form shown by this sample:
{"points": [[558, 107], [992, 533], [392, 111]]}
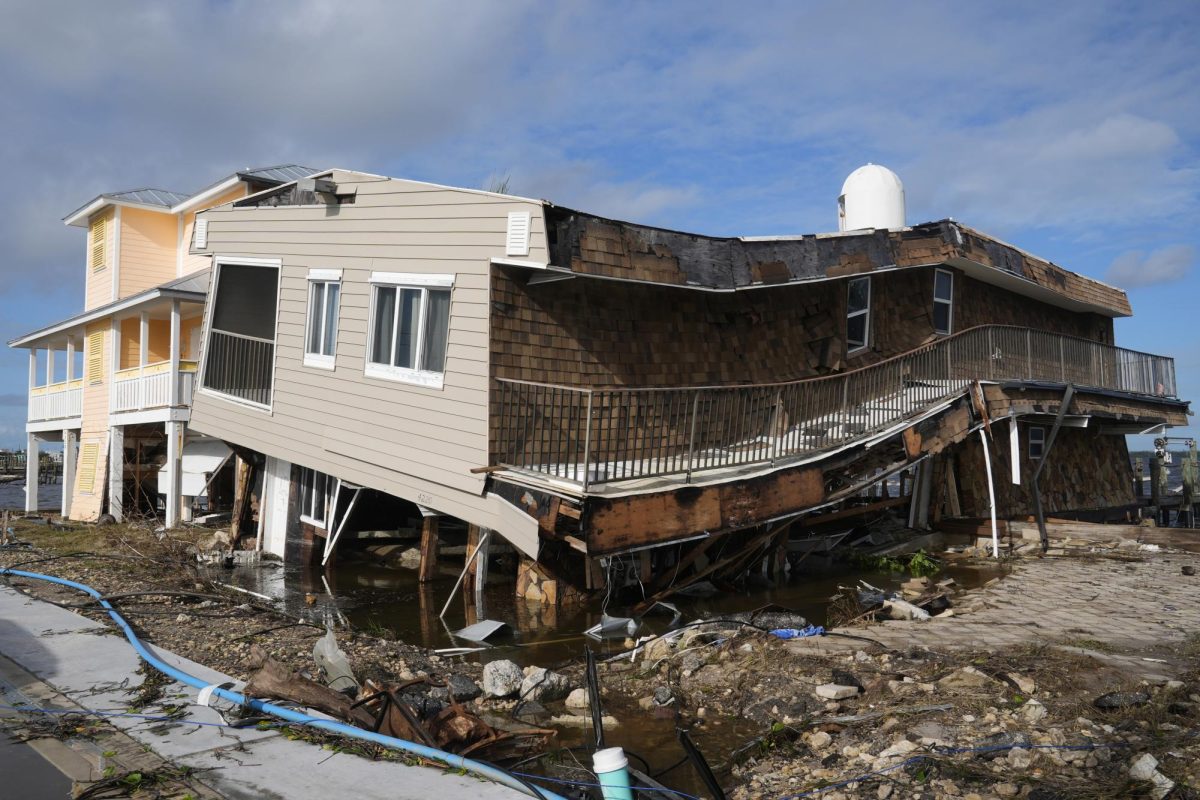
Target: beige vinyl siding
{"points": [[99, 284], [190, 263], [415, 442], [87, 497], [148, 248]]}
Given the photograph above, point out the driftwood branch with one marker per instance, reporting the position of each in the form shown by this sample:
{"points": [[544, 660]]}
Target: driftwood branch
{"points": [[274, 680]]}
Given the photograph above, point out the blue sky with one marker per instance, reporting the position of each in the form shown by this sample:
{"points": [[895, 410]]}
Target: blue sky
{"points": [[1069, 129]]}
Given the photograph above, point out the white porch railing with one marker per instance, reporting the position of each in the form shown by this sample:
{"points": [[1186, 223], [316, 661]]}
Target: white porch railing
{"points": [[141, 388], [62, 400]]}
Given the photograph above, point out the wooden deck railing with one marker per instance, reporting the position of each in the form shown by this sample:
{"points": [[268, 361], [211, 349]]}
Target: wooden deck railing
{"points": [[594, 436]]}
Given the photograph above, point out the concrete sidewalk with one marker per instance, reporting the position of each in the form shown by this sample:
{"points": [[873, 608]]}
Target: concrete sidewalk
{"points": [[94, 666]]}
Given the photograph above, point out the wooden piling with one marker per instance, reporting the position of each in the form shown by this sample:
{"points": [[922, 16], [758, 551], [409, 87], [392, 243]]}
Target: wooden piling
{"points": [[429, 549]]}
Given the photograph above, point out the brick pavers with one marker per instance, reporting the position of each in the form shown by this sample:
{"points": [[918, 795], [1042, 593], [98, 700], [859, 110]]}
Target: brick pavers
{"points": [[1071, 600]]}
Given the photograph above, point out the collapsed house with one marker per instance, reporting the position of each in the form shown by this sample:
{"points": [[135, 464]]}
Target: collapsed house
{"points": [[383, 352]]}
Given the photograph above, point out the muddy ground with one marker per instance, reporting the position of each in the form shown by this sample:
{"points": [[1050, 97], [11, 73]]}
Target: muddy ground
{"points": [[1026, 720]]}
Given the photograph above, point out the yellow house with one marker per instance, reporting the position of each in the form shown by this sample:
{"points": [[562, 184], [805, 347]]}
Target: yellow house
{"points": [[114, 383]]}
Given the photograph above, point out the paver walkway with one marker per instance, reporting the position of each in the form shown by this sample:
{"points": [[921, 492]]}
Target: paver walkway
{"points": [[1136, 607], [81, 659]]}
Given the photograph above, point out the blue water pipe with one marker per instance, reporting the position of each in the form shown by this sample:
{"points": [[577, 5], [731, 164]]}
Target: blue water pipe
{"points": [[449, 759]]}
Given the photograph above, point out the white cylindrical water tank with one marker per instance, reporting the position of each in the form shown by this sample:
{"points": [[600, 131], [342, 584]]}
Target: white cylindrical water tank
{"points": [[872, 197]]}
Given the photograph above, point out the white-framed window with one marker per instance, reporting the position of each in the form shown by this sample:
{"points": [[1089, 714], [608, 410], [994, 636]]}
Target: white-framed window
{"points": [[410, 325], [314, 496], [320, 336], [1037, 441], [943, 301], [858, 313]]}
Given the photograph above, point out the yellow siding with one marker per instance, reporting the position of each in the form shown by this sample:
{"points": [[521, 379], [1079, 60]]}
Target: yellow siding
{"points": [[148, 248], [187, 347], [160, 341], [99, 287], [193, 263], [131, 345], [88, 497]]}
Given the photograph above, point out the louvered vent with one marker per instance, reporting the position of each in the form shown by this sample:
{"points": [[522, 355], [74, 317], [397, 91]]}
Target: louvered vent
{"points": [[98, 231], [518, 234], [95, 357], [89, 456], [200, 240]]}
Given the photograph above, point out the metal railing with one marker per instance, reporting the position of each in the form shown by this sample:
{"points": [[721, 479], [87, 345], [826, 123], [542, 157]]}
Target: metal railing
{"points": [[239, 366], [593, 436]]}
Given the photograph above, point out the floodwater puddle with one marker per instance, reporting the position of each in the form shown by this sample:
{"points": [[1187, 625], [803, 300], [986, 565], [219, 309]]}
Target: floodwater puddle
{"points": [[388, 600]]}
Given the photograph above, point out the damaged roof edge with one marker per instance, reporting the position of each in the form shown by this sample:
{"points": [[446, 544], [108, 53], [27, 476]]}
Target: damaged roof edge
{"points": [[589, 244]]}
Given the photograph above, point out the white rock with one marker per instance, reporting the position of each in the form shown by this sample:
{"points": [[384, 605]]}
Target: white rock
{"points": [[501, 678], [902, 747], [1020, 758], [578, 698], [819, 740], [1025, 684], [832, 691], [1145, 768], [544, 686], [1033, 711]]}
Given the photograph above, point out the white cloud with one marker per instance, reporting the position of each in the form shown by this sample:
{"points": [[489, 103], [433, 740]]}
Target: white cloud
{"points": [[1165, 265]]}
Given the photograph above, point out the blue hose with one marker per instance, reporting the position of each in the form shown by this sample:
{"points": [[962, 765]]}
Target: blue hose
{"points": [[290, 715]]}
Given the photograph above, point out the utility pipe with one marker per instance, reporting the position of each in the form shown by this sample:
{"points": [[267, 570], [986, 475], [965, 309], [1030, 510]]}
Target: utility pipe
{"points": [[290, 715], [987, 463]]}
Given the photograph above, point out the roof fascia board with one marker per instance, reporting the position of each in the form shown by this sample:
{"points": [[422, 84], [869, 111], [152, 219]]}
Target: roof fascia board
{"points": [[973, 269], [483, 192], [128, 303], [79, 218], [1023, 286], [204, 195]]}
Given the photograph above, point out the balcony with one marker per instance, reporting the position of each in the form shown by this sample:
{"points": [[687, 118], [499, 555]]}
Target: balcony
{"points": [[240, 366], [148, 387], [62, 400], [589, 437]]}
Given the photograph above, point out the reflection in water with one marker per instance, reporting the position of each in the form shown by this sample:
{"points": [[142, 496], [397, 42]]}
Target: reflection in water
{"points": [[388, 599]]}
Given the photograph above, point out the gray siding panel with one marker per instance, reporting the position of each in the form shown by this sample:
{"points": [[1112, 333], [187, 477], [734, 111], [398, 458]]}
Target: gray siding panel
{"points": [[415, 442]]}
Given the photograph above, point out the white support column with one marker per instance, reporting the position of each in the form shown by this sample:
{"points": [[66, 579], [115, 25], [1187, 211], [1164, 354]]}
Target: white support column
{"points": [[114, 360], [49, 364], [31, 473], [71, 359], [143, 338], [174, 486], [116, 472], [175, 325], [143, 356], [32, 382], [70, 449]]}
